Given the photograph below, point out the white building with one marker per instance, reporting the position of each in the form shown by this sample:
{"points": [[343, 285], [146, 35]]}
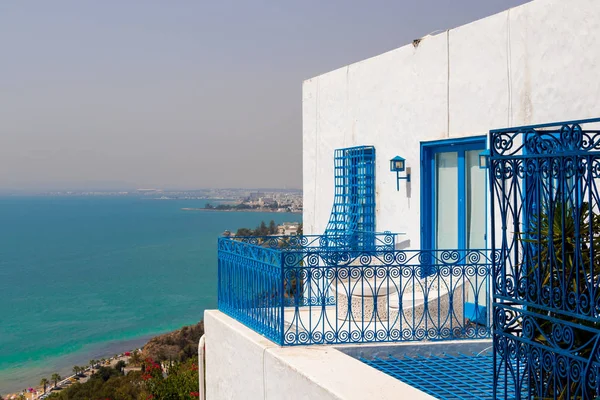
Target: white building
{"points": [[531, 64], [431, 102], [288, 228]]}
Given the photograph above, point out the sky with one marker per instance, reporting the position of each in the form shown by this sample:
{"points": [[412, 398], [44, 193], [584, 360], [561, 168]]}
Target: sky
{"points": [[122, 94]]}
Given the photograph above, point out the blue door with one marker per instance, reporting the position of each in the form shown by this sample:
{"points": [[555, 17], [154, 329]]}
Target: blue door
{"points": [[453, 207], [453, 195]]}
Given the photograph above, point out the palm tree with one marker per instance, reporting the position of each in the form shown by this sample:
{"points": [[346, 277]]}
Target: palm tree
{"points": [[55, 378], [76, 370], [135, 359], [92, 363], [44, 382]]}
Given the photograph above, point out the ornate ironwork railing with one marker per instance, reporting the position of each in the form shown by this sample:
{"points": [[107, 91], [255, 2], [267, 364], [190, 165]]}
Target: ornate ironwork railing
{"points": [[352, 241], [250, 286], [298, 295], [546, 225]]}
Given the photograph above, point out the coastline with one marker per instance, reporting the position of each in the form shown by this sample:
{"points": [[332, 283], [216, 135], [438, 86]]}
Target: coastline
{"points": [[106, 277], [179, 345], [70, 378], [149, 345], [63, 365], [266, 210]]}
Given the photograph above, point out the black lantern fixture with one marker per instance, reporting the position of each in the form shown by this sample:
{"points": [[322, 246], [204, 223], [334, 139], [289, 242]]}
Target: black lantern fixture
{"points": [[397, 165]]}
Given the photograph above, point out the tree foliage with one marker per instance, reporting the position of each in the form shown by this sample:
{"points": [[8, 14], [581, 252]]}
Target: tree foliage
{"points": [[44, 382], [261, 230], [120, 365], [135, 358], [180, 381], [106, 383], [55, 378], [176, 378]]}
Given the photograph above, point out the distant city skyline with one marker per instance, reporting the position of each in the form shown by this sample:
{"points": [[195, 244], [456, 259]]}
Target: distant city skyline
{"points": [[121, 95], [133, 191]]}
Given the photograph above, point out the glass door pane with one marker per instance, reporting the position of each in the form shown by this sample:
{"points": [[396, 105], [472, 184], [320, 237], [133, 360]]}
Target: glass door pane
{"points": [[475, 201], [446, 200]]}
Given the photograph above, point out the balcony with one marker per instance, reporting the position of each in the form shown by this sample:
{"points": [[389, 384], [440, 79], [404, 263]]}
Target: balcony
{"points": [[356, 288]]}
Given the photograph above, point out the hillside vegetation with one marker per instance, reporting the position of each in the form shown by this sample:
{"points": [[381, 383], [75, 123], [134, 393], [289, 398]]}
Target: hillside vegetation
{"points": [[168, 371], [178, 345]]}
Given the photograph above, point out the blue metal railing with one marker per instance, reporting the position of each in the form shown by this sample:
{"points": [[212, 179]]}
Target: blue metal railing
{"points": [[250, 286], [312, 290], [354, 240]]}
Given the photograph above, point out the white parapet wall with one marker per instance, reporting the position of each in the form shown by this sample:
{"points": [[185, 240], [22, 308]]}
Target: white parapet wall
{"points": [[241, 364], [532, 64]]}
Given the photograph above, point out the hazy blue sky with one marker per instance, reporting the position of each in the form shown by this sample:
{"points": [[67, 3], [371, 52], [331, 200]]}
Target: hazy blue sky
{"points": [[182, 94]]}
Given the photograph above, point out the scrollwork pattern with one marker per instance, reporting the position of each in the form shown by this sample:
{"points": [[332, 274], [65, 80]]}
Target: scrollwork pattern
{"points": [[319, 295], [547, 278]]}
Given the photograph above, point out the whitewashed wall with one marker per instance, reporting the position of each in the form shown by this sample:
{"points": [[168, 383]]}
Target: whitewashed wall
{"points": [[241, 364], [536, 63]]}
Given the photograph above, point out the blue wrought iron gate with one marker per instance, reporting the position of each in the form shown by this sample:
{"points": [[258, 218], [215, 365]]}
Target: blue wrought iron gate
{"points": [[546, 229]]}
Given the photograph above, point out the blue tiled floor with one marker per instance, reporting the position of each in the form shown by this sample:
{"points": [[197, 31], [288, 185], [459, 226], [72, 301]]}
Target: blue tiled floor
{"points": [[443, 376]]}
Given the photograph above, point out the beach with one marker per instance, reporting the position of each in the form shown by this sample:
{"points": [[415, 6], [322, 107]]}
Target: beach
{"points": [[37, 391]]}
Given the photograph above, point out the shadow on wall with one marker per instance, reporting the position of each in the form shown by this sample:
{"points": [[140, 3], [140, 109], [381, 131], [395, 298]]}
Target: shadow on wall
{"points": [[408, 184], [403, 245]]}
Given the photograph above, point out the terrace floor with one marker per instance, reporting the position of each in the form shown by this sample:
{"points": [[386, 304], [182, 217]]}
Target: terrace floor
{"points": [[447, 375], [444, 376]]}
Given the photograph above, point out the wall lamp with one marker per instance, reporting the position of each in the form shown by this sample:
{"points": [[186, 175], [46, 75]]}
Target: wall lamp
{"points": [[397, 165], [484, 159]]}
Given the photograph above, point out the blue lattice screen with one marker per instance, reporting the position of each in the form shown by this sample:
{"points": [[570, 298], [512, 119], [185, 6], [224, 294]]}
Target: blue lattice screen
{"points": [[353, 212]]}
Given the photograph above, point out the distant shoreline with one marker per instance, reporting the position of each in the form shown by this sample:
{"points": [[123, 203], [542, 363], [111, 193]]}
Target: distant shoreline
{"points": [[241, 210], [63, 367]]}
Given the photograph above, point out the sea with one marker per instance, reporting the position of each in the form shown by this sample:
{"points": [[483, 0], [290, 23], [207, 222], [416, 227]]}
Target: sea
{"points": [[88, 277]]}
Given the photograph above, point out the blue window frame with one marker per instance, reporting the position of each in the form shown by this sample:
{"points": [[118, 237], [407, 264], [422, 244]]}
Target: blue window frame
{"points": [[448, 191]]}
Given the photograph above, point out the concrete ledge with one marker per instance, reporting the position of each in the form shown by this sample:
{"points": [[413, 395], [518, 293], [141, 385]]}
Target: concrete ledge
{"points": [[241, 364]]}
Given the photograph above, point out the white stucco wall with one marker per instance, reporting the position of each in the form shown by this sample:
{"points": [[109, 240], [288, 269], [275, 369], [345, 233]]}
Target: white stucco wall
{"points": [[241, 364], [532, 64]]}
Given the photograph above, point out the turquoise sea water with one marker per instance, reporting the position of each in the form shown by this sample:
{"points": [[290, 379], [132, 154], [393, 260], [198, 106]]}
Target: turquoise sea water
{"points": [[87, 277]]}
